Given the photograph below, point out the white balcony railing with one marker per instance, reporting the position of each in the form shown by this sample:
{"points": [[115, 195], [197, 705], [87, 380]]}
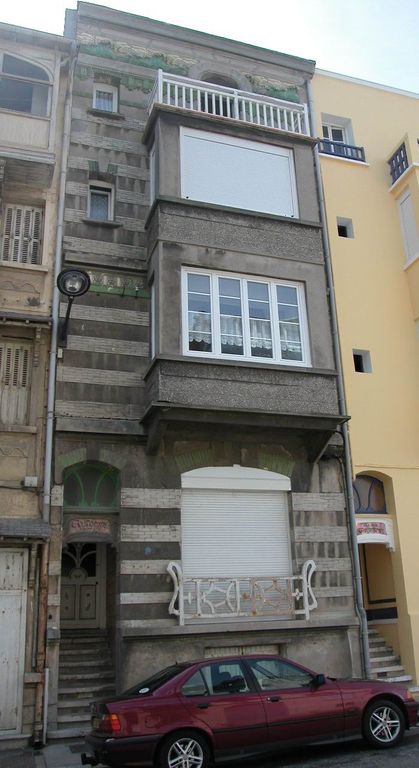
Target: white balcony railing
{"points": [[232, 597], [197, 96]]}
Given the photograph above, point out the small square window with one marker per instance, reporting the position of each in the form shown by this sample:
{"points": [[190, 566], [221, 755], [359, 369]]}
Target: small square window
{"points": [[345, 227], [362, 361], [105, 97], [100, 203]]}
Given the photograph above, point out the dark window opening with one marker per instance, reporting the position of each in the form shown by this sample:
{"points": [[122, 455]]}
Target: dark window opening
{"points": [[362, 361]]}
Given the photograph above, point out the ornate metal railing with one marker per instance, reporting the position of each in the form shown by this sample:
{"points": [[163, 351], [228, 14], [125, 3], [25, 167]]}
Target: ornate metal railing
{"points": [[339, 149], [216, 598], [398, 163], [198, 96]]}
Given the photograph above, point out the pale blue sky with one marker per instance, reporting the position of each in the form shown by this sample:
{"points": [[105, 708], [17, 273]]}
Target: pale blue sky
{"points": [[375, 40]]}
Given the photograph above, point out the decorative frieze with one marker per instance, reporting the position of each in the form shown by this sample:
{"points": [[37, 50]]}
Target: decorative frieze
{"points": [[158, 498]]}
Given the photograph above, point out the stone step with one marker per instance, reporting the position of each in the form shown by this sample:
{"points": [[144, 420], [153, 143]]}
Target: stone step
{"points": [[78, 717], [68, 733], [400, 679], [99, 674], [396, 668], [70, 703], [89, 690], [88, 663], [384, 659]]}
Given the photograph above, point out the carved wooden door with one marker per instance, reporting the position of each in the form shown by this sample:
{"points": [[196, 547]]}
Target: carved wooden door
{"points": [[83, 585]]}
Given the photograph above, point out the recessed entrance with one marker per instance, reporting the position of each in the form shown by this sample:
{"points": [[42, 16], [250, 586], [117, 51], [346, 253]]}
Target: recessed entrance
{"points": [[83, 586]]}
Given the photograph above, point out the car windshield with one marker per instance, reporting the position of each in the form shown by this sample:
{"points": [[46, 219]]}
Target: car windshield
{"points": [[151, 684]]}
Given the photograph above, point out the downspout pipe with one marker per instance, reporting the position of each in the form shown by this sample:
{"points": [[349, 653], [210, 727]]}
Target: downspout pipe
{"points": [[49, 427], [40, 718], [348, 473]]}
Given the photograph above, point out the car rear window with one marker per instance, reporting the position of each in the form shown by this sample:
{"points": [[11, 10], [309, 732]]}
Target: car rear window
{"points": [[151, 684]]}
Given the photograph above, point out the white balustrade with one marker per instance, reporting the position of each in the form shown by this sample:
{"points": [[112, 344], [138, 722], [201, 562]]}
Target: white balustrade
{"points": [[197, 96], [214, 598]]}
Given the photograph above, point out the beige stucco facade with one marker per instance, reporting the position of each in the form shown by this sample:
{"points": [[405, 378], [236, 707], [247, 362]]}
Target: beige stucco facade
{"points": [[375, 260]]}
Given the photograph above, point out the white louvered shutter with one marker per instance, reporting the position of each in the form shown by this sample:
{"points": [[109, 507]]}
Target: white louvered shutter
{"points": [[15, 375], [235, 533], [22, 235]]}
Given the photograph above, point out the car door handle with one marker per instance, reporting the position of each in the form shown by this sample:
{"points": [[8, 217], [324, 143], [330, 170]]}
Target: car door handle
{"points": [[273, 698], [202, 706]]}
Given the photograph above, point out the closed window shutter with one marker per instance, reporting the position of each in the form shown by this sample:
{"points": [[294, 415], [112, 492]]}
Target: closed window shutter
{"points": [[22, 233], [15, 375], [235, 533]]}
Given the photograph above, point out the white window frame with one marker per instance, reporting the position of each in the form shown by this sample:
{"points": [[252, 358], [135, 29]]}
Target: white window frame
{"points": [[255, 146], [105, 88], [216, 353], [105, 189], [343, 123], [30, 80]]}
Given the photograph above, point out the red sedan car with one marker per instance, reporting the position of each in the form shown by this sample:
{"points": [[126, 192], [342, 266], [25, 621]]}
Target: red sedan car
{"points": [[190, 715]]}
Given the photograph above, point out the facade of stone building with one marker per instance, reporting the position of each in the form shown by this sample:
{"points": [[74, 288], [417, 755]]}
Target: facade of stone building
{"points": [[198, 501], [371, 185], [33, 82]]}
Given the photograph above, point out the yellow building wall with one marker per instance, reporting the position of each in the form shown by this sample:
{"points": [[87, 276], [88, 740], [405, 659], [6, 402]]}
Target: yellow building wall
{"points": [[377, 299]]}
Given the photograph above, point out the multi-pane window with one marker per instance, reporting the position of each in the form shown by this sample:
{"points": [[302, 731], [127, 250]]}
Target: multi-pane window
{"points": [[15, 375], [100, 203], [235, 316], [105, 98], [333, 133], [24, 87], [21, 235]]}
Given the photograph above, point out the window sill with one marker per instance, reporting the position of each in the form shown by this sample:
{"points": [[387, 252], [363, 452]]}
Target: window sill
{"points": [[18, 428], [344, 159], [20, 265], [109, 223], [105, 113]]}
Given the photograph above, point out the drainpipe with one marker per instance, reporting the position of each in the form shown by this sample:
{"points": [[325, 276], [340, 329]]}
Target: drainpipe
{"points": [[359, 602], [39, 720]]}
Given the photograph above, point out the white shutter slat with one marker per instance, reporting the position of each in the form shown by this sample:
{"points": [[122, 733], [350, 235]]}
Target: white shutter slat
{"points": [[235, 533]]}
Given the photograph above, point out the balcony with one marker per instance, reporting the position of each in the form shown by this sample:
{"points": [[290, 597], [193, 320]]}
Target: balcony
{"points": [[229, 103], [398, 163], [340, 149], [210, 599]]}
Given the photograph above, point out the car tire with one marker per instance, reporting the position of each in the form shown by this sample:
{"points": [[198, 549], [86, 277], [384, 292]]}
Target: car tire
{"points": [[383, 724], [184, 744]]}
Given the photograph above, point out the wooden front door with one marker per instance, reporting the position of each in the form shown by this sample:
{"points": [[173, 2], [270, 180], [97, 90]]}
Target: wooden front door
{"points": [[83, 586], [13, 588]]}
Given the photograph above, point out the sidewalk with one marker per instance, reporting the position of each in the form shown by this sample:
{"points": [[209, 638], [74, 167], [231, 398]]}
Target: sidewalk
{"points": [[61, 754]]}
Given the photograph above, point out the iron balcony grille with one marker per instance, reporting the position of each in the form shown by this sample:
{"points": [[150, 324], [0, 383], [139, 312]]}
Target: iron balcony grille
{"points": [[398, 163], [210, 99], [339, 149]]}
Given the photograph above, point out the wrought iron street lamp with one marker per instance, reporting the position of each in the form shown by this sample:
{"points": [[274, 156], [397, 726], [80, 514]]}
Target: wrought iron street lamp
{"points": [[71, 283]]}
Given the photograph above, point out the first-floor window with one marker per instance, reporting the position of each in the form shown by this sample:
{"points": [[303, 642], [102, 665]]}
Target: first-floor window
{"points": [[21, 241], [105, 97], [227, 315], [15, 380], [100, 203]]}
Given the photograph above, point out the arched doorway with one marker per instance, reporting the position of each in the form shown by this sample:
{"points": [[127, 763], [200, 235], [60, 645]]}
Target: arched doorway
{"points": [[91, 505]]}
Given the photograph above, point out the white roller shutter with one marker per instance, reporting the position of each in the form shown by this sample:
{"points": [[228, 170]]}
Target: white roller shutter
{"points": [[235, 533]]}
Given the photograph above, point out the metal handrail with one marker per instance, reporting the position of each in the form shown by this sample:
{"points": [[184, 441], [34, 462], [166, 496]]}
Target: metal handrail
{"points": [[213, 598]]}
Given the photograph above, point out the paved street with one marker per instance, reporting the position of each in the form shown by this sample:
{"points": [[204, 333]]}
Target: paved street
{"points": [[343, 755], [346, 755]]}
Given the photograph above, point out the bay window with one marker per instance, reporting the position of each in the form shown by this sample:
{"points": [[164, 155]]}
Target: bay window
{"points": [[233, 316]]}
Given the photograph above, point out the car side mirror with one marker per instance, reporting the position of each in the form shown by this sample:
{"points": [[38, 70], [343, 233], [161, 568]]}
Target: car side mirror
{"points": [[318, 680]]}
